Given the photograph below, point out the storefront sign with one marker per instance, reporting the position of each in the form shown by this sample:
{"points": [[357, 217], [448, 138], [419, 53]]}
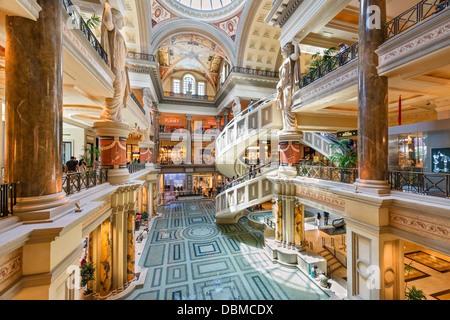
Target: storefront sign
{"points": [[346, 134]]}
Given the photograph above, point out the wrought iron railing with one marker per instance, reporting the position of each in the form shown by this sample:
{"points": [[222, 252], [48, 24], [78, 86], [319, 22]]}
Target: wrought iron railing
{"points": [[188, 96], [330, 65], [7, 199], [76, 182], [255, 72], [345, 175], [269, 222], [78, 22], [411, 17], [136, 100], [133, 168], [433, 184], [423, 183], [141, 56]]}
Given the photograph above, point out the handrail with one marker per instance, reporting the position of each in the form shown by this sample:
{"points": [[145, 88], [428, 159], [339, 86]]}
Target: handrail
{"points": [[190, 96], [79, 22], [8, 199], [141, 56], [414, 15], [403, 22], [75, 182], [256, 72], [246, 177], [423, 183], [330, 65], [135, 167], [255, 105], [136, 100]]}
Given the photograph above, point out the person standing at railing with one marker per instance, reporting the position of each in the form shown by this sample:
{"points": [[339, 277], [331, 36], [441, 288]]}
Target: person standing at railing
{"points": [[343, 52], [72, 166]]}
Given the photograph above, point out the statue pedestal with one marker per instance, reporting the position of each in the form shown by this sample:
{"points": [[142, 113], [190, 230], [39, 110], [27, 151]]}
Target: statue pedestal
{"points": [[289, 152], [112, 137]]}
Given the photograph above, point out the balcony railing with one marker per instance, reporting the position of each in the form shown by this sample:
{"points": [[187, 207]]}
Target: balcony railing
{"points": [[133, 168], [329, 66], [7, 199], [432, 184], [188, 96], [255, 72], [329, 173], [141, 56], [423, 183], [411, 17], [76, 182], [136, 100], [79, 23]]}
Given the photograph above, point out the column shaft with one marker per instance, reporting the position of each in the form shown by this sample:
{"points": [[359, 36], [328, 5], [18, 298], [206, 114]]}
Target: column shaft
{"points": [[34, 99], [373, 95]]}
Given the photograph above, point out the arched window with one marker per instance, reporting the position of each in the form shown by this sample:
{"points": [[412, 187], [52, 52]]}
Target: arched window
{"points": [[188, 84]]}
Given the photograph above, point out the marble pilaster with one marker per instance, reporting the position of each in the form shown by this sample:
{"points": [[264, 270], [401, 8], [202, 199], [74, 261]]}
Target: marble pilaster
{"points": [[130, 247]]}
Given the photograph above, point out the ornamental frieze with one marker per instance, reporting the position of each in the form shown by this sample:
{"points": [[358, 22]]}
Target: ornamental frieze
{"points": [[10, 269], [325, 198], [421, 225]]}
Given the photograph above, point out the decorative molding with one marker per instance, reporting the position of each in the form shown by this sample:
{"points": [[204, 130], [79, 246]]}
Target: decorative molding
{"points": [[10, 269], [428, 227], [338, 80], [328, 199]]}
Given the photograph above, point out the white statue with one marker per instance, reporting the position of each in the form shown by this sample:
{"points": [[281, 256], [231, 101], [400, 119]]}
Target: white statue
{"points": [[237, 106], [114, 45], [148, 103], [289, 79]]}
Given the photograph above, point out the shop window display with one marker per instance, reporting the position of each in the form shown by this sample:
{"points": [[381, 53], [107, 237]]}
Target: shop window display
{"points": [[412, 151]]}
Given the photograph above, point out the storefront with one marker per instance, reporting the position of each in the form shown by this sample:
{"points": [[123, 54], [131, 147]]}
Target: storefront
{"points": [[420, 147], [172, 153]]}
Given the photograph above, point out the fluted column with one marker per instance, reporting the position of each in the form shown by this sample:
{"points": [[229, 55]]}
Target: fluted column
{"points": [[34, 100], [373, 100]]}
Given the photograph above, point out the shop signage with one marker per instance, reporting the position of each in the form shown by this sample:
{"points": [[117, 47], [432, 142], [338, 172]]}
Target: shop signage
{"points": [[345, 134]]}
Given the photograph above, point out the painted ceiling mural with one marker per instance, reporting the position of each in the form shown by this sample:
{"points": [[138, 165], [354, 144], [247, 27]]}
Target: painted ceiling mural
{"points": [[190, 52]]}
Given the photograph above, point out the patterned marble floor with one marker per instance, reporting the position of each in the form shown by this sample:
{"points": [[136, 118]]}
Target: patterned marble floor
{"points": [[189, 257]]}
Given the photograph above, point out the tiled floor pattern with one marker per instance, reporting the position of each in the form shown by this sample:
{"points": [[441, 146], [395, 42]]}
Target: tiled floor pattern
{"points": [[189, 257]]}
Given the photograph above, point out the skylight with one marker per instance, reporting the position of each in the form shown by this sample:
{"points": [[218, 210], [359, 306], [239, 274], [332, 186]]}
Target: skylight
{"points": [[205, 5]]}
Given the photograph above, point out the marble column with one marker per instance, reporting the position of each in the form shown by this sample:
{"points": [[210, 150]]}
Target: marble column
{"points": [[189, 139], [299, 233], [218, 121], [34, 101], [278, 215], [373, 101], [130, 247], [226, 117], [157, 114], [289, 152], [105, 285], [112, 139], [146, 152]]}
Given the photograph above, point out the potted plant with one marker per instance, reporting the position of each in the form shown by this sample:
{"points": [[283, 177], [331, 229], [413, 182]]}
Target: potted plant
{"points": [[413, 293], [87, 156], [345, 157], [145, 217], [87, 273], [320, 59]]}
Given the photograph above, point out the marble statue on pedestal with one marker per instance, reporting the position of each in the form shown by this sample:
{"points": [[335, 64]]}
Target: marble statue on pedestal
{"points": [[114, 45], [289, 79]]}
